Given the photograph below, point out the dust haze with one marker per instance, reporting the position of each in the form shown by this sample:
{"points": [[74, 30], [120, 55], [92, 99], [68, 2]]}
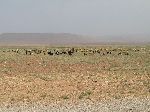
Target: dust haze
{"points": [[103, 20]]}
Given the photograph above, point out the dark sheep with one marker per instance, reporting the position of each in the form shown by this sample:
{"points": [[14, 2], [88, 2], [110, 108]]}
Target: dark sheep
{"points": [[28, 52], [119, 53], [57, 53], [98, 52], [126, 53], [44, 52], [37, 51], [85, 54], [108, 52], [123, 53], [70, 52], [63, 52], [50, 53]]}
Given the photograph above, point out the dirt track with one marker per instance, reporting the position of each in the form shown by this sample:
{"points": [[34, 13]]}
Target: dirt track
{"points": [[121, 105]]}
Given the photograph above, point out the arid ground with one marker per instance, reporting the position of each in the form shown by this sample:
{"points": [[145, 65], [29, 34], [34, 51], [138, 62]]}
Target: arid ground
{"points": [[72, 74]]}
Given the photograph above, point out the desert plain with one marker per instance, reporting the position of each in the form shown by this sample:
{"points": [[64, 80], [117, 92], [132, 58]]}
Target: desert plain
{"points": [[75, 75]]}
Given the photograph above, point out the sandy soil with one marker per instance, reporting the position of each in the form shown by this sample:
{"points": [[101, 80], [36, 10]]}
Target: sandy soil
{"points": [[87, 83]]}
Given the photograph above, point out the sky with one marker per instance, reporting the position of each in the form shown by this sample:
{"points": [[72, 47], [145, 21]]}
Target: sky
{"points": [[85, 17]]}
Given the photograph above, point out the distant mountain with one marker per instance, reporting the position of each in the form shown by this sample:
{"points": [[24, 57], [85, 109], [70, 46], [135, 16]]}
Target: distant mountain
{"points": [[42, 39], [48, 39]]}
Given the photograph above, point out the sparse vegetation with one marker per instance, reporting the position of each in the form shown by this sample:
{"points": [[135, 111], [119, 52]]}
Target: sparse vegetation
{"points": [[85, 94], [65, 97], [47, 77]]}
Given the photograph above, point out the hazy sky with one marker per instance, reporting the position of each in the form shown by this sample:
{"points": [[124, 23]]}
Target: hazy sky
{"points": [[88, 17]]}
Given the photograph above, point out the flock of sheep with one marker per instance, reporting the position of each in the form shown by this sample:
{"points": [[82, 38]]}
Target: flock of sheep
{"points": [[69, 51]]}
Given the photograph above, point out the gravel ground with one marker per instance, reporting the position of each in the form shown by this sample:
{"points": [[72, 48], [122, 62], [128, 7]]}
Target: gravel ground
{"points": [[124, 105]]}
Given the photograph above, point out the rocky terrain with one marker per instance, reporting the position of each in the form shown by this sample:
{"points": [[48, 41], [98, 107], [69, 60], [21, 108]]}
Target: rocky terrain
{"points": [[83, 79]]}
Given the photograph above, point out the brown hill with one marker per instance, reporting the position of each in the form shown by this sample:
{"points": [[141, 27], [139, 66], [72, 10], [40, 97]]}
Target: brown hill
{"points": [[42, 39], [48, 39]]}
